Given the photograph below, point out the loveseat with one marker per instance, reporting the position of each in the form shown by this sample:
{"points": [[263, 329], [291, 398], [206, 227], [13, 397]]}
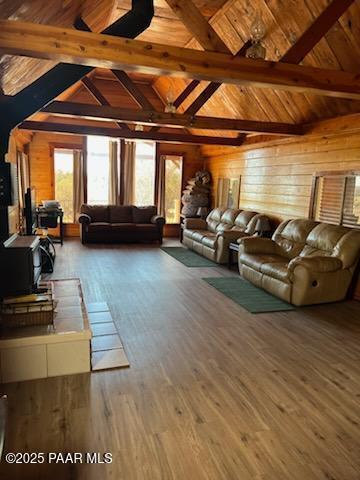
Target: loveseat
{"points": [[211, 237], [125, 223], [304, 263]]}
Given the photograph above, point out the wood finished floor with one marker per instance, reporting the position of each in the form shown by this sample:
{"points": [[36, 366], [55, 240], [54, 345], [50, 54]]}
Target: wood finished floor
{"points": [[213, 392]]}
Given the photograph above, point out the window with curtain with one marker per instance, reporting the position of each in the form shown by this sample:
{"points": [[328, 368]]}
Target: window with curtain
{"points": [[63, 173], [337, 199], [173, 186], [145, 167], [98, 170]]}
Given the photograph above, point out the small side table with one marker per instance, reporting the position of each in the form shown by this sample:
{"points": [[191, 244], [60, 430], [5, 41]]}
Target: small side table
{"points": [[233, 247]]}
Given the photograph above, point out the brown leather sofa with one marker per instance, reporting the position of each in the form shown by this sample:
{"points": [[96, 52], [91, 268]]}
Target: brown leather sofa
{"points": [[211, 237], [304, 263], [125, 223]]}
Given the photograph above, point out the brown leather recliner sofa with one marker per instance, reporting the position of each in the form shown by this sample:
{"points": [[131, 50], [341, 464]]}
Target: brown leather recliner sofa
{"points": [[211, 237], [124, 223], [304, 263]]}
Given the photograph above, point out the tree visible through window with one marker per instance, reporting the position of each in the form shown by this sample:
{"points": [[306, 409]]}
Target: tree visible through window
{"points": [[173, 184], [98, 161], [144, 188], [64, 171]]}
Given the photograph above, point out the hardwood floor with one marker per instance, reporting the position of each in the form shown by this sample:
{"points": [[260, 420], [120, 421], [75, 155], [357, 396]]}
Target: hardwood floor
{"points": [[213, 392]]}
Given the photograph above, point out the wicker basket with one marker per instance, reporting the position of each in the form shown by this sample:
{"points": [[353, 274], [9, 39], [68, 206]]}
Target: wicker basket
{"points": [[28, 315]]}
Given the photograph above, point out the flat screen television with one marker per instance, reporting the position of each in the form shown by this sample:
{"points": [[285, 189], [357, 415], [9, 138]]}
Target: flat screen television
{"points": [[30, 211]]}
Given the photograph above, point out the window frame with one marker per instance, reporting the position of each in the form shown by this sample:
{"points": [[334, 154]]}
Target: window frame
{"points": [[63, 146], [181, 181], [167, 153], [315, 185], [156, 171]]}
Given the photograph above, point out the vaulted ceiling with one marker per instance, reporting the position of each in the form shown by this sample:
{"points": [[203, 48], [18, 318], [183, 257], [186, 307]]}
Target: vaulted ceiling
{"points": [[285, 21]]}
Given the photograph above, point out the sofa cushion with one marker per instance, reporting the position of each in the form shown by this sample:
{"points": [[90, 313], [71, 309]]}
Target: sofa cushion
{"points": [[258, 224], [198, 235], [99, 227], [123, 226], [278, 270], [242, 220], [188, 233], [209, 241], [291, 236], [324, 237], [97, 213], [214, 217], [143, 214], [120, 214], [227, 220], [256, 261]]}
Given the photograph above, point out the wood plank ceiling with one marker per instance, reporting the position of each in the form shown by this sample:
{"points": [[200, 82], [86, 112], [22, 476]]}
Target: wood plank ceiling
{"points": [[285, 21]]}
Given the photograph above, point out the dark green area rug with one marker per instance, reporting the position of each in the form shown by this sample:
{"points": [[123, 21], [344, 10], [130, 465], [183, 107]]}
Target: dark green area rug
{"points": [[188, 258], [253, 299]]}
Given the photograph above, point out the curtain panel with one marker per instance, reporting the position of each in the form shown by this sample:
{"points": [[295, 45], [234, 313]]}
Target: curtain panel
{"points": [[114, 173], [129, 158], [78, 182]]}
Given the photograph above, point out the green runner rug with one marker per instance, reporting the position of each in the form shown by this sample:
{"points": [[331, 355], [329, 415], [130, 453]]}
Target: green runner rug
{"points": [[253, 299]]}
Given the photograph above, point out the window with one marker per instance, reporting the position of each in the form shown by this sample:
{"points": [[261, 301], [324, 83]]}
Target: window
{"points": [[144, 187], [337, 199], [98, 155], [64, 171], [173, 186]]}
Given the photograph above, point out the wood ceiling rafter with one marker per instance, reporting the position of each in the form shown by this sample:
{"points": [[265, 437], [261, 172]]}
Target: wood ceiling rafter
{"points": [[150, 117], [202, 31], [121, 77], [76, 47], [197, 25], [99, 97], [207, 37], [317, 30], [133, 90], [128, 134]]}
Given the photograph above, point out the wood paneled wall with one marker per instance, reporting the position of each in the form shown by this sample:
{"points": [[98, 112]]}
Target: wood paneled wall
{"points": [[17, 143], [41, 162], [276, 177], [42, 170]]}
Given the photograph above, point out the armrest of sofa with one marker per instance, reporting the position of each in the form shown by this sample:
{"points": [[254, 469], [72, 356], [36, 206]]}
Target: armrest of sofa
{"points": [[158, 220], [195, 224], [84, 219], [316, 264], [257, 245], [230, 235]]}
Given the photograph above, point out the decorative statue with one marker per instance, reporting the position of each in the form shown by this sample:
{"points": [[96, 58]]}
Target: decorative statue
{"points": [[197, 195]]}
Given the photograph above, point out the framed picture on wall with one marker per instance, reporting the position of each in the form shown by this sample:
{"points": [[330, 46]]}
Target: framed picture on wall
{"points": [[228, 192]]}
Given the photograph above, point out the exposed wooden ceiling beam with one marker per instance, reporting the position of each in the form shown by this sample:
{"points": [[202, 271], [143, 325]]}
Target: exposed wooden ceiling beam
{"points": [[185, 93], [133, 89], [122, 76], [316, 31], [198, 25], [294, 55], [99, 97], [149, 117], [213, 87], [128, 134], [73, 46]]}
